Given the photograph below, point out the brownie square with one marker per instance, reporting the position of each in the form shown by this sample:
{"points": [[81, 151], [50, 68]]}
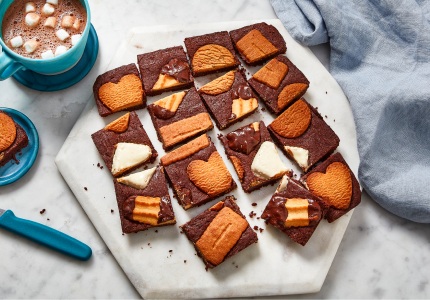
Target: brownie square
{"points": [[254, 156], [143, 200], [124, 145], [229, 98], [165, 70], [219, 232], [258, 42], [197, 173], [294, 210], [334, 182], [179, 117], [13, 138], [210, 53], [118, 90], [279, 83], [303, 135]]}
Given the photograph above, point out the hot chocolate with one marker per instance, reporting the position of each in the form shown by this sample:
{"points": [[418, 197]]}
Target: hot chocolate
{"points": [[43, 28]]}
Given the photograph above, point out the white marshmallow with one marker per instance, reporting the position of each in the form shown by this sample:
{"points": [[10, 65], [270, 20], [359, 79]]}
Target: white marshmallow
{"points": [[76, 38], [128, 155], [138, 180], [60, 50], [267, 164], [30, 7], [48, 9], [48, 54], [76, 24], [31, 46], [53, 2], [67, 21], [16, 41], [32, 19], [50, 22], [62, 34]]}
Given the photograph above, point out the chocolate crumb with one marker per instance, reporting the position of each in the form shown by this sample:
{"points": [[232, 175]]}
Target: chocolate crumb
{"points": [[256, 228], [170, 251], [85, 188], [185, 261], [156, 230], [261, 230], [326, 92], [252, 214], [42, 211], [111, 210], [48, 219], [325, 116], [258, 218], [254, 204], [263, 109]]}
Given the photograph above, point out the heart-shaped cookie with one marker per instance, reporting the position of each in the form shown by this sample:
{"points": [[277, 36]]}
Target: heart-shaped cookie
{"points": [[334, 186], [212, 177]]}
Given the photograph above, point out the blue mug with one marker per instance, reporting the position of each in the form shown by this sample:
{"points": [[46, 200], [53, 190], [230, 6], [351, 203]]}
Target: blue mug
{"points": [[11, 62]]}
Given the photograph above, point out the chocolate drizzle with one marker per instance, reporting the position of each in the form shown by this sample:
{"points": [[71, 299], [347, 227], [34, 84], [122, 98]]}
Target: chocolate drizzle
{"points": [[166, 212], [162, 113], [128, 207], [177, 69], [242, 91], [314, 212], [243, 140]]}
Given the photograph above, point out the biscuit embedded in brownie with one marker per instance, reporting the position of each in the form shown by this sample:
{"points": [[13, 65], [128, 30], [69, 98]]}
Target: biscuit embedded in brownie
{"points": [[257, 43], [334, 182], [303, 135], [294, 210], [118, 90], [18, 141], [223, 222], [229, 98], [179, 117], [118, 138], [143, 207], [165, 70], [197, 173], [244, 148], [210, 53], [279, 83]]}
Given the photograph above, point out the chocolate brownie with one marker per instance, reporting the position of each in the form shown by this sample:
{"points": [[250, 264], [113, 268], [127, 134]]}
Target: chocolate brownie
{"points": [[179, 117], [210, 53], [229, 98], [334, 182], [254, 156], [197, 173], [219, 232], [279, 83], [258, 42], [13, 139], [118, 90], [165, 70], [143, 200], [294, 210], [302, 134], [124, 144]]}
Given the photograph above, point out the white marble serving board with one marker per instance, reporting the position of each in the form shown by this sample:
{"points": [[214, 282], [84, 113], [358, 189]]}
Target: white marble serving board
{"points": [[162, 263]]}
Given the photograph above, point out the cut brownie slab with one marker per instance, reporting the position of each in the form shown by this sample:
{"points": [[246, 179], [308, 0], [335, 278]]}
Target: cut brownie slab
{"points": [[124, 144], [219, 232], [229, 98], [294, 210], [13, 138], [334, 182], [165, 70], [210, 53], [258, 42], [143, 200], [197, 172], [119, 89], [279, 83], [302, 134], [179, 117], [254, 156]]}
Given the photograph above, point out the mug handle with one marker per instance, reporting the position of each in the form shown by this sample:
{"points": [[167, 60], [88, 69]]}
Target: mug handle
{"points": [[8, 66]]}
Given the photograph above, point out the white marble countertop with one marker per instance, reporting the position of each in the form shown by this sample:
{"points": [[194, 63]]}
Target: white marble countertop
{"points": [[381, 255]]}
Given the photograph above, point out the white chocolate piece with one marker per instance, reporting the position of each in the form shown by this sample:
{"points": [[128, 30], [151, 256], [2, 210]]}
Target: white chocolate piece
{"points": [[67, 21], [62, 34], [48, 9], [16, 41], [47, 54], [76, 24], [128, 155], [60, 50], [138, 180], [283, 184], [53, 2], [300, 155], [32, 19], [267, 164], [30, 7], [75, 39], [31, 46], [50, 22]]}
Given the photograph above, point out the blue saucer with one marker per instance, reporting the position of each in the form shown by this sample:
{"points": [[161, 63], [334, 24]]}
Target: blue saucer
{"points": [[50, 83], [12, 171]]}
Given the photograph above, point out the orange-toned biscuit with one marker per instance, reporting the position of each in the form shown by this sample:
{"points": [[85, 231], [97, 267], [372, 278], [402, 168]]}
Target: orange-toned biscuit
{"points": [[291, 92], [212, 57], [294, 121], [219, 85], [272, 73], [298, 214], [254, 46], [186, 150], [7, 131], [119, 125]]}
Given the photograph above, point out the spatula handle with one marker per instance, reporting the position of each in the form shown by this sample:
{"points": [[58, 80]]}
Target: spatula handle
{"points": [[45, 235]]}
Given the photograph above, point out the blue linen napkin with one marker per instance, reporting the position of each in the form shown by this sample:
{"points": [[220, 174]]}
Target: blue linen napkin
{"points": [[380, 56]]}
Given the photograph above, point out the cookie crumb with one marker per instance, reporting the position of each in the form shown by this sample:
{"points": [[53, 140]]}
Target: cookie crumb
{"points": [[85, 188], [254, 204], [42, 211]]}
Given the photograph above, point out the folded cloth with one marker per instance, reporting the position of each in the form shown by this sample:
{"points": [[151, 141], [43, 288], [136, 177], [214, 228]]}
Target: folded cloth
{"points": [[380, 56]]}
